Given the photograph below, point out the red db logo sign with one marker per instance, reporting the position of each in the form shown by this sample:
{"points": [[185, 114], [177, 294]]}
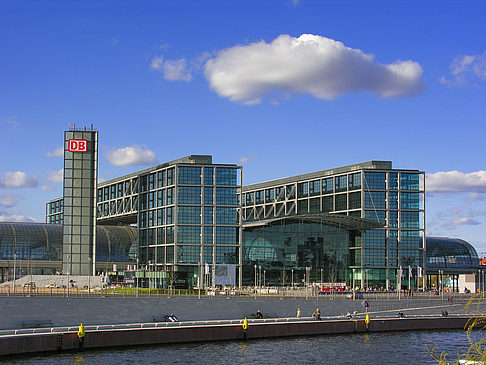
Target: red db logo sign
{"points": [[78, 145]]}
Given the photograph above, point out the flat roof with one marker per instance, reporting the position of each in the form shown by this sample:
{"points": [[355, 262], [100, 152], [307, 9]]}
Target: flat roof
{"points": [[368, 165], [190, 159]]}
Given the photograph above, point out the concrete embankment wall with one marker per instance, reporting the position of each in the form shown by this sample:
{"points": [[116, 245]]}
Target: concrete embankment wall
{"points": [[131, 337], [18, 312]]}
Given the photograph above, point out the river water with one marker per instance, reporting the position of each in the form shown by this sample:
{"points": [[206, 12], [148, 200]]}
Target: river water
{"points": [[375, 348]]}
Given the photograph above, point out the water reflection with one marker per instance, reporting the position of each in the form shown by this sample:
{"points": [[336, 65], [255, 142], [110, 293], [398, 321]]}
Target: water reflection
{"points": [[370, 348]]}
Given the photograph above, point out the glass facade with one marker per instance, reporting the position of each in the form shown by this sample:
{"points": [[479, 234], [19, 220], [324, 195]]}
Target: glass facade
{"points": [[370, 190], [288, 249], [38, 247]]}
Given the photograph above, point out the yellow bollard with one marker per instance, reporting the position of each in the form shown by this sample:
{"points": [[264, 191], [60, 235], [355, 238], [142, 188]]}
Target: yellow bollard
{"points": [[81, 335], [245, 324], [81, 332], [367, 320]]}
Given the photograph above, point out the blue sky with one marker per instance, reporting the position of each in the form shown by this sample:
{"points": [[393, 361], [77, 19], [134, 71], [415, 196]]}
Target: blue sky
{"points": [[281, 87]]}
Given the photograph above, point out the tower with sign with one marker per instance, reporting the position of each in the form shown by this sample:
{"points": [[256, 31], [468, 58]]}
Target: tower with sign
{"points": [[80, 182]]}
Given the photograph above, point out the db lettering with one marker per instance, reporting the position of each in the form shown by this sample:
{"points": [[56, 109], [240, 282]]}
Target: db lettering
{"points": [[78, 145]]}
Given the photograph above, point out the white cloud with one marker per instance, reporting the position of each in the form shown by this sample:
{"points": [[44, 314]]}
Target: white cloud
{"points": [[466, 67], [55, 176], [465, 221], [131, 155], [156, 63], [18, 179], [309, 64], [58, 152], [246, 159], [46, 188], [6, 217], [173, 70], [8, 200], [456, 181]]}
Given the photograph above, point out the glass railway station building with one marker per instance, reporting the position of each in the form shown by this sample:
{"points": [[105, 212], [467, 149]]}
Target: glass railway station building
{"points": [[191, 222]]}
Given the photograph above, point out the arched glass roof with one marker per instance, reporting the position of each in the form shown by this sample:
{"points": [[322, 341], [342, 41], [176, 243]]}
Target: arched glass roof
{"points": [[41, 241], [450, 254]]}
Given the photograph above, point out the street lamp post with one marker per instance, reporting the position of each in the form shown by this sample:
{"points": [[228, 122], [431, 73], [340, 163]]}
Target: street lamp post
{"points": [[259, 276], [68, 272], [255, 276], [292, 278], [136, 276], [15, 269], [89, 276], [322, 276], [264, 272]]}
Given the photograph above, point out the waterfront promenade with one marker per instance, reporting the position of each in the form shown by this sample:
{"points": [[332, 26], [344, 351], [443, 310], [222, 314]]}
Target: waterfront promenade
{"points": [[39, 323]]}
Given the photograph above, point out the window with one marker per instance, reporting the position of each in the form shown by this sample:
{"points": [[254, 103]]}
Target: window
{"points": [[328, 204], [409, 181], [409, 219], [315, 205], [375, 200], [151, 181], [328, 186], [258, 197], [208, 215], [208, 196], [226, 176], [302, 190], [227, 235], [208, 176], [227, 196], [250, 198], [410, 200], [169, 215], [189, 234], [376, 215], [354, 181], [341, 202], [160, 217], [315, 188], [161, 179], [392, 200], [341, 183], [151, 200], [188, 254], [208, 236], [280, 193], [393, 219], [208, 255], [393, 181], [143, 183], [226, 255], [375, 180], [290, 191], [189, 215], [226, 215], [170, 196], [355, 200], [170, 176], [269, 195], [302, 206], [189, 195], [189, 175]]}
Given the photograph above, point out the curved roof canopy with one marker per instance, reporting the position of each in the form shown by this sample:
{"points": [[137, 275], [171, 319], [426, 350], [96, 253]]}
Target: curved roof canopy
{"points": [[41, 241], [335, 220], [450, 254]]}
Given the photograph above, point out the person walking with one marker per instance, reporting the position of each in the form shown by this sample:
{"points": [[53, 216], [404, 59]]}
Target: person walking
{"points": [[298, 313]]}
